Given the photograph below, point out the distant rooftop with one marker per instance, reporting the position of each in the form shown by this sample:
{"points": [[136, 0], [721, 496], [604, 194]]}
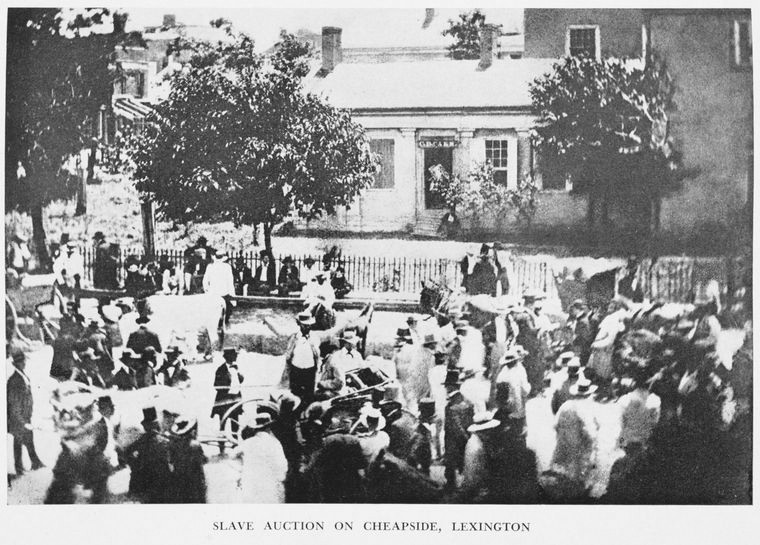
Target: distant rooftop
{"points": [[434, 84]]}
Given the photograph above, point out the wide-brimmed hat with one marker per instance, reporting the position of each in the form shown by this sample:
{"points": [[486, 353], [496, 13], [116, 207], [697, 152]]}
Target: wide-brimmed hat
{"points": [[99, 235], [287, 400], [287, 259], [142, 319], [411, 319], [257, 421], [349, 337], [429, 340], [533, 295], [96, 322], [320, 275], [309, 261], [172, 349], [513, 354], [127, 355], [88, 352], [112, 313], [583, 387], [183, 426], [370, 416], [222, 256], [149, 415], [565, 357], [305, 318], [483, 421], [263, 253], [461, 325]]}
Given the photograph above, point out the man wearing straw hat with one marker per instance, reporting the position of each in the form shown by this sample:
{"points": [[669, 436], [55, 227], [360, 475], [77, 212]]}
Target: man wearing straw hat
{"points": [[265, 467], [476, 465], [188, 480], [302, 360]]}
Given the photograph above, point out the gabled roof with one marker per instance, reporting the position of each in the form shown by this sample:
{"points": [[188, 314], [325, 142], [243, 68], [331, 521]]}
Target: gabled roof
{"points": [[434, 84]]}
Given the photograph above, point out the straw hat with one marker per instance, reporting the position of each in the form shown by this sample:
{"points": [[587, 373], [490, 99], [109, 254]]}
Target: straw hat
{"points": [[184, 426], [305, 318], [371, 418], [349, 337]]}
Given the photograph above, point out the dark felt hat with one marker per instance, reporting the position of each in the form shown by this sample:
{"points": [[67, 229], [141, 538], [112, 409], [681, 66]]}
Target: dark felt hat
{"points": [[149, 415], [427, 409]]}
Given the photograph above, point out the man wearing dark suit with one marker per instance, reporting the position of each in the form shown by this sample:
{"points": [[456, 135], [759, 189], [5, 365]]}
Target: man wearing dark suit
{"points": [[143, 337], [483, 278], [20, 408], [265, 277], [227, 383], [242, 276]]}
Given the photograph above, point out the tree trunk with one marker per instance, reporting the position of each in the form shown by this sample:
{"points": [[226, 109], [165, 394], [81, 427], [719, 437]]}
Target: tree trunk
{"points": [[149, 229], [591, 204], [268, 238], [38, 235], [81, 208]]}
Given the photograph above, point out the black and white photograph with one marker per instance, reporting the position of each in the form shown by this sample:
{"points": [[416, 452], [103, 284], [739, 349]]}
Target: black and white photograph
{"points": [[383, 255]]}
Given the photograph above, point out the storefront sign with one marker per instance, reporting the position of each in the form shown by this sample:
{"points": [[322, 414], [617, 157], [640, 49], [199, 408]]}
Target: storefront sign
{"points": [[439, 142]]}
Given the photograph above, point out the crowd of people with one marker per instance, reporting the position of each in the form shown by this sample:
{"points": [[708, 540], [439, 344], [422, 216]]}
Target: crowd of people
{"points": [[454, 398]]}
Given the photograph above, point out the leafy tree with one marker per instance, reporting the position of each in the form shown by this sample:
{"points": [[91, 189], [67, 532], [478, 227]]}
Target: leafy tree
{"points": [[239, 139], [466, 34], [58, 76], [605, 125], [477, 195]]}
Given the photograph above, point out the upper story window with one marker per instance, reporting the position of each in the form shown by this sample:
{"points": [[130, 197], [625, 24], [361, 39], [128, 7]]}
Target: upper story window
{"points": [[741, 50], [497, 154], [583, 40], [385, 148]]}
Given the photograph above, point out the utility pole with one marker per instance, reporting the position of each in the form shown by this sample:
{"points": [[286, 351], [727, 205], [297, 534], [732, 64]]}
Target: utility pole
{"points": [[149, 228]]}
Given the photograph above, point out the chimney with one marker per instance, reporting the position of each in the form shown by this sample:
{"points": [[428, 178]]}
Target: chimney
{"points": [[489, 43], [170, 20], [332, 53], [429, 16]]}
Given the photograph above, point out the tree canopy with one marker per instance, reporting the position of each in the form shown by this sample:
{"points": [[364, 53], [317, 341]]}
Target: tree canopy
{"points": [[605, 125], [239, 139], [58, 76], [466, 34]]}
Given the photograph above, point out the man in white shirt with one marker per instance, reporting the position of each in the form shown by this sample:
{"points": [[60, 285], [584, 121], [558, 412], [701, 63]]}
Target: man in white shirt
{"points": [[69, 267], [515, 375], [302, 360], [319, 291], [218, 280]]}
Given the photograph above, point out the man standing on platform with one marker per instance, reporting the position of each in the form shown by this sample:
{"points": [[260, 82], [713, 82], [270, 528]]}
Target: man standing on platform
{"points": [[218, 280], [302, 360]]}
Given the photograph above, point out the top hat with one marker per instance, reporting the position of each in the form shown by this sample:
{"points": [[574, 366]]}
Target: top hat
{"points": [[429, 340], [305, 318], [452, 378], [427, 409], [149, 415], [184, 426], [485, 249], [229, 352], [350, 337], [483, 421], [403, 333], [263, 253], [583, 387]]}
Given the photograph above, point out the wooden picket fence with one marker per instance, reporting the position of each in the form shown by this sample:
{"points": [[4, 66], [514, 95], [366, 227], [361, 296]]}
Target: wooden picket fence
{"points": [[676, 279]]}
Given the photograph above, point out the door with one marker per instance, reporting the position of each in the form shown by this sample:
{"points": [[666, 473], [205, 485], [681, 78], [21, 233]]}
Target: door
{"points": [[436, 156]]}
